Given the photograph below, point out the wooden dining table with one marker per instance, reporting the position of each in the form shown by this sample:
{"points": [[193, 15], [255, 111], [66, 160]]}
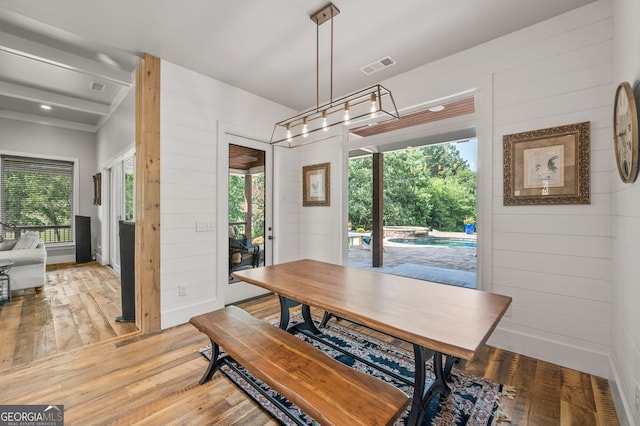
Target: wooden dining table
{"points": [[440, 321]]}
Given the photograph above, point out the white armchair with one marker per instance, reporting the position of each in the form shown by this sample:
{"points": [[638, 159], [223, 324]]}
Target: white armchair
{"points": [[29, 257]]}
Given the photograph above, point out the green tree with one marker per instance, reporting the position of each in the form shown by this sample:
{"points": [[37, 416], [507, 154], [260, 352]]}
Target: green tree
{"points": [[236, 198], [38, 199], [360, 192], [406, 189], [238, 202], [428, 186], [258, 205], [129, 179]]}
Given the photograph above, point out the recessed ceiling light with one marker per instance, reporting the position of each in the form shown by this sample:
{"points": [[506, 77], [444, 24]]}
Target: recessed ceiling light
{"points": [[46, 107], [436, 108]]}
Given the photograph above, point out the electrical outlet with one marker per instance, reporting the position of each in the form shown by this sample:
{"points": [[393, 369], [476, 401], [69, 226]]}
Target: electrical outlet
{"points": [[182, 290], [637, 397]]}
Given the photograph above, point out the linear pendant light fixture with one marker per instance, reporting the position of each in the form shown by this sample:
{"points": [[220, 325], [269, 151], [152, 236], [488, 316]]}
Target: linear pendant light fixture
{"points": [[367, 106]]}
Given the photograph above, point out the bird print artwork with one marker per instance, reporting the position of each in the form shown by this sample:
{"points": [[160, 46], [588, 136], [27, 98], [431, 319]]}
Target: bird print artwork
{"points": [[551, 164]]}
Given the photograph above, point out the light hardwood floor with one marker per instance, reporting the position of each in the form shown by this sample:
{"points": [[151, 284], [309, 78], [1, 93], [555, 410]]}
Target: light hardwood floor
{"points": [[77, 307], [154, 380]]}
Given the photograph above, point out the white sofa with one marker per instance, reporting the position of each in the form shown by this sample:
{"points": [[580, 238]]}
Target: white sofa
{"points": [[30, 259]]}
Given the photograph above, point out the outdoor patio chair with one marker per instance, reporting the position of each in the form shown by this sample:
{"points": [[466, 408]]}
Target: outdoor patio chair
{"points": [[241, 252], [366, 242]]}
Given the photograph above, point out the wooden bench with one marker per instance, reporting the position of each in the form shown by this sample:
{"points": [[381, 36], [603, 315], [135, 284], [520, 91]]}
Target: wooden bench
{"points": [[325, 389]]}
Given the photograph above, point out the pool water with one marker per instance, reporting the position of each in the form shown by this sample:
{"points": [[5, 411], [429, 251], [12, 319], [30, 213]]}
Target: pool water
{"points": [[435, 241]]}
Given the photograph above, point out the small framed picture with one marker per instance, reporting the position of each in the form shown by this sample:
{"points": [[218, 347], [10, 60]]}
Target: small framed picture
{"points": [[316, 187]]}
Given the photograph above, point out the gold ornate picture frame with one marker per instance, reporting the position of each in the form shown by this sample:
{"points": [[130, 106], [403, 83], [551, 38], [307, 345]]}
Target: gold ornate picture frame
{"points": [[316, 186], [547, 166]]}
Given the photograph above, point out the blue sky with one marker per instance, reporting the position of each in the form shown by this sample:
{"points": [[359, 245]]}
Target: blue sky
{"points": [[468, 151]]}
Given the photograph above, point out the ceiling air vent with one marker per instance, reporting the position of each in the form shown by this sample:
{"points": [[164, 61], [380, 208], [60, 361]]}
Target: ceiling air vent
{"points": [[98, 87], [377, 65]]}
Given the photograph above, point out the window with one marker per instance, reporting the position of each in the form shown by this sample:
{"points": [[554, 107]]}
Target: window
{"points": [[37, 195]]}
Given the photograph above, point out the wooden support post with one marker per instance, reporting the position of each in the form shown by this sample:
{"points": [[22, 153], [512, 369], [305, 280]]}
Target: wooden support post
{"points": [[378, 210], [147, 265]]}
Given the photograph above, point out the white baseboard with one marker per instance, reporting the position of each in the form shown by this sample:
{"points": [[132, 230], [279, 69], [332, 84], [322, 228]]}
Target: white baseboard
{"points": [[565, 355], [621, 400]]}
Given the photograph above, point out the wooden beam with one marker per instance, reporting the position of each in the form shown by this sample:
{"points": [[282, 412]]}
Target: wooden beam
{"points": [[148, 195], [378, 210]]}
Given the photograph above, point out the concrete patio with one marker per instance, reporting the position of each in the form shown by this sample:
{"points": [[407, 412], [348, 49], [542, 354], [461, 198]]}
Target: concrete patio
{"points": [[444, 264]]}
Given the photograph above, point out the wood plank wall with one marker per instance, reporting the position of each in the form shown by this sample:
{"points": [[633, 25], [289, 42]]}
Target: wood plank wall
{"points": [[147, 268]]}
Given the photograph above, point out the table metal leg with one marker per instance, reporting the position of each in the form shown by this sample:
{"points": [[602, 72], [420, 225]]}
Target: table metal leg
{"points": [[422, 395], [308, 325]]}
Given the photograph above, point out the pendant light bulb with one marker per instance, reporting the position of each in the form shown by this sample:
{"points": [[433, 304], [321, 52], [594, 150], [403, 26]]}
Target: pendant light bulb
{"points": [[347, 119], [374, 104], [305, 128], [289, 132], [325, 126]]}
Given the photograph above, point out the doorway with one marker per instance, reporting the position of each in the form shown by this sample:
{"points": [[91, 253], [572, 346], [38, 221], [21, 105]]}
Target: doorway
{"points": [[121, 202], [429, 200], [249, 194]]}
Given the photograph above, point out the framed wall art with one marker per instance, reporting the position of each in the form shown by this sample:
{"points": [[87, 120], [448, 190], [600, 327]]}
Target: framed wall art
{"points": [[316, 188], [547, 166], [97, 189]]}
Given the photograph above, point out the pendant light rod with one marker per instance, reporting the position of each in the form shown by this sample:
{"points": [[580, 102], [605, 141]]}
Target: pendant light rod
{"points": [[323, 15]]}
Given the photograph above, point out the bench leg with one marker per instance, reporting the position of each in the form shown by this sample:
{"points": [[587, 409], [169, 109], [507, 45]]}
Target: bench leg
{"points": [[422, 396], [214, 363]]}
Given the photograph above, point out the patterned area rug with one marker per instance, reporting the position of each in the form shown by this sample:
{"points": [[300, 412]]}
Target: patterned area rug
{"points": [[473, 400]]}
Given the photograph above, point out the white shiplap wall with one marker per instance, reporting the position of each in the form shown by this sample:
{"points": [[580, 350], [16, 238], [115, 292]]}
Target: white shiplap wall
{"points": [[191, 108], [553, 260], [625, 217], [322, 227]]}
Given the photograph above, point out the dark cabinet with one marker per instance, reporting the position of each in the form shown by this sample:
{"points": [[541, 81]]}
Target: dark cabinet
{"points": [[127, 270], [83, 239]]}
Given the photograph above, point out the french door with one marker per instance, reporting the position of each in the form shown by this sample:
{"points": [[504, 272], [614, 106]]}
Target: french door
{"points": [[250, 168]]}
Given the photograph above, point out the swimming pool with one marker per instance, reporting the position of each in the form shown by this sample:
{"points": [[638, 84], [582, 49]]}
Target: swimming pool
{"points": [[435, 241]]}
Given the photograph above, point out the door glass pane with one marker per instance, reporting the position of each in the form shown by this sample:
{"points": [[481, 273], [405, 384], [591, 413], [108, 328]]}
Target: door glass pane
{"points": [[129, 188]]}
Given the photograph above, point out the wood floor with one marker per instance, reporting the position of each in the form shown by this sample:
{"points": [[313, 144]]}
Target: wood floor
{"points": [[154, 380], [77, 307]]}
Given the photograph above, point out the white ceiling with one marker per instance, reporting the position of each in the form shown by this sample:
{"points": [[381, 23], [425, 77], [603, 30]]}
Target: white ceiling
{"points": [[51, 51]]}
